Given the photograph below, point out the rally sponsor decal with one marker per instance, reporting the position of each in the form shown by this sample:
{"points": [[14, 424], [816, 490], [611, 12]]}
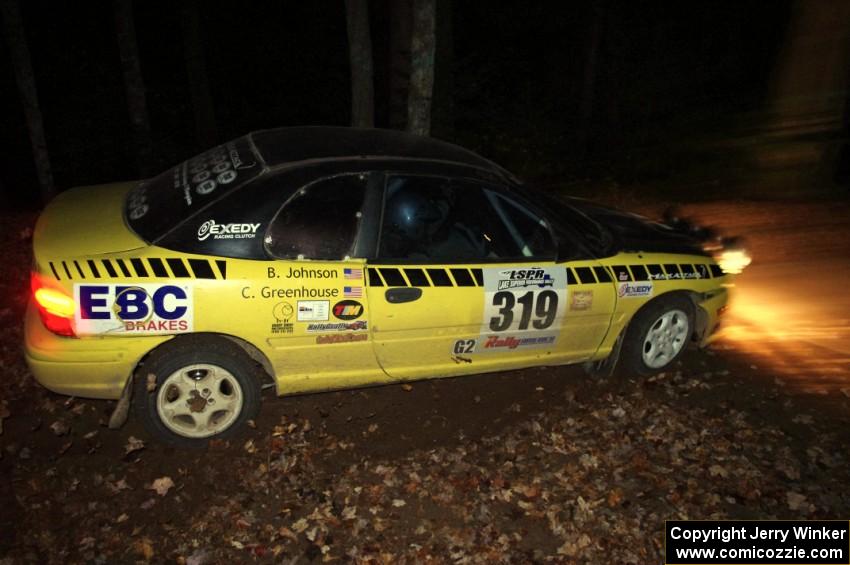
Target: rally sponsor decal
{"points": [[581, 300], [283, 312], [347, 310], [313, 310], [133, 309], [522, 278], [678, 276], [634, 289], [509, 342], [523, 308], [227, 231], [341, 338], [359, 325]]}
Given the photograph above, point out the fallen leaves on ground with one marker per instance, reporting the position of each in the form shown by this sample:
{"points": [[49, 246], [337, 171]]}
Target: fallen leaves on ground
{"points": [[133, 444], [162, 485]]}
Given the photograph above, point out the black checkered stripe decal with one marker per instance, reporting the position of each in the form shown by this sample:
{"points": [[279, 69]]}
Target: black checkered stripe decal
{"points": [[425, 276], [655, 272], [137, 268]]}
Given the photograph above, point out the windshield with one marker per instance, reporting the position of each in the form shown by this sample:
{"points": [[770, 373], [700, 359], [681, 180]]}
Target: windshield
{"points": [[160, 204]]}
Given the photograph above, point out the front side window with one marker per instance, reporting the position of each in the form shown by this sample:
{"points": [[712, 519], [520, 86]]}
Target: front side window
{"points": [[320, 221], [530, 232], [436, 219]]}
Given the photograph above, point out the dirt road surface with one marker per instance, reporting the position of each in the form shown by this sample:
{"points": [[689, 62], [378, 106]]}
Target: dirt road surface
{"points": [[542, 465], [791, 307]]}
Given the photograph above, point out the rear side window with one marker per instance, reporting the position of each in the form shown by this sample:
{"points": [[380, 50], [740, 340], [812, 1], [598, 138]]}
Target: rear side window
{"points": [[158, 205], [320, 221]]}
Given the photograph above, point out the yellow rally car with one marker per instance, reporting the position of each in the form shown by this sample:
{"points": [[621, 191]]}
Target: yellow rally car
{"points": [[323, 258]]}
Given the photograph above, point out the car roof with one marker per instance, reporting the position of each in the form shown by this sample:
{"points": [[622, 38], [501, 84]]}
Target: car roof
{"points": [[290, 145]]}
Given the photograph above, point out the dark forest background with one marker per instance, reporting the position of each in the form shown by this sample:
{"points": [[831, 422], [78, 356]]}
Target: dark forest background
{"points": [[696, 93]]}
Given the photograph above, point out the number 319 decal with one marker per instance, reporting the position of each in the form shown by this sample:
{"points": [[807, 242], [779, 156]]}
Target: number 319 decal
{"points": [[524, 305], [544, 306]]}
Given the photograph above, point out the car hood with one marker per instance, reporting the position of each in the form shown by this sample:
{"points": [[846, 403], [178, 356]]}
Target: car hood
{"points": [[85, 221], [632, 232]]}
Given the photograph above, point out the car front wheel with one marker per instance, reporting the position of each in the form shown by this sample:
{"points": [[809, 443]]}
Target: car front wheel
{"points": [[197, 388], [657, 335]]}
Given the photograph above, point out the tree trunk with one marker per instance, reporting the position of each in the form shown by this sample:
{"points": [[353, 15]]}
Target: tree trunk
{"points": [[442, 115], [422, 46], [19, 52], [206, 131], [360, 54], [588, 84], [401, 18], [134, 85]]}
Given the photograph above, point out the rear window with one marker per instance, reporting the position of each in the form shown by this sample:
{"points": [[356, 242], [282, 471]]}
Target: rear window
{"points": [[158, 205]]}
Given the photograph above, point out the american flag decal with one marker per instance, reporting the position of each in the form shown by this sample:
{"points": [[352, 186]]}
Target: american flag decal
{"points": [[352, 291], [352, 274]]}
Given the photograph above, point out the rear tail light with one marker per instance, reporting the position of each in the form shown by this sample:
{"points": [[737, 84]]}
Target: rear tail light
{"points": [[55, 308]]}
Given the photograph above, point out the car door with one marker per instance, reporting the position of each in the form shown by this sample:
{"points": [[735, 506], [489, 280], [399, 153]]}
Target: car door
{"points": [[466, 280], [315, 289]]}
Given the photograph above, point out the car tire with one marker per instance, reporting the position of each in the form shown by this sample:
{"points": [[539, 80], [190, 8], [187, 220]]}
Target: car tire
{"points": [[657, 335], [196, 388]]}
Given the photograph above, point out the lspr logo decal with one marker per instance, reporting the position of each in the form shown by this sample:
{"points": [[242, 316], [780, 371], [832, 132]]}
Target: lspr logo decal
{"points": [[149, 309], [521, 278]]}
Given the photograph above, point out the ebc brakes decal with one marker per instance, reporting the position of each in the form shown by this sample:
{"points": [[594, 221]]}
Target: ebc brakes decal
{"points": [[133, 309], [523, 307]]}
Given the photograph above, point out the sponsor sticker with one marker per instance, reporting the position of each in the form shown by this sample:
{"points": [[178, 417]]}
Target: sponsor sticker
{"points": [[634, 289], [283, 313], [341, 338], [347, 310], [313, 310], [497, 342], [581, 300], [359, 325], [227, 231], [133, 309]]}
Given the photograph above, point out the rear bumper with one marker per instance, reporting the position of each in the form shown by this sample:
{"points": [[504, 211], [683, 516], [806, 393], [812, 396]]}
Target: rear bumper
{"points": [[90, 367]]}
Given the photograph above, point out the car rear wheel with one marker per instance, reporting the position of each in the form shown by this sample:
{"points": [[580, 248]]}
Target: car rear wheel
{"points": [[657, 335], [197, 388]]}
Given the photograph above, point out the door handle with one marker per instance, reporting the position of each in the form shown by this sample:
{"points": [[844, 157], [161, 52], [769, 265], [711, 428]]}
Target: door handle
{"points": [[400, 295]]}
